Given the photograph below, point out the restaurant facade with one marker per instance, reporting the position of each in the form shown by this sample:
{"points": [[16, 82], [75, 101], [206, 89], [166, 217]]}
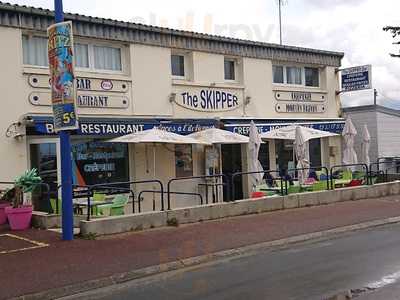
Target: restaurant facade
{"points": [[133, 77]]}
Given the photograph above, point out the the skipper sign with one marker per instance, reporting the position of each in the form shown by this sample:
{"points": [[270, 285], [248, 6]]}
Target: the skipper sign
{"points": [[209, 99], [356, 78], [61, 64]]}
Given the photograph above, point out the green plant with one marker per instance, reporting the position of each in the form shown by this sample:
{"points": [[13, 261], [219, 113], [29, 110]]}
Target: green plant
{"points": [[22, 184]]}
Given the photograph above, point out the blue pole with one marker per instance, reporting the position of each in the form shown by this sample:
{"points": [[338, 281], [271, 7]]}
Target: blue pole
{"points": [[66, 163]]}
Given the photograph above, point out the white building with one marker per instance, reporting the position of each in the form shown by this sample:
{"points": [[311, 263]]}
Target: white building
{"points": [[131, 77], [383, 126]]}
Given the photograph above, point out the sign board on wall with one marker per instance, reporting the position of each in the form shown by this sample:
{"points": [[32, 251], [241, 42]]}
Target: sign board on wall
{"points": [[356, 78], [206, 99], [300, 96], [308, 108], [91, 92], [61, 65]]}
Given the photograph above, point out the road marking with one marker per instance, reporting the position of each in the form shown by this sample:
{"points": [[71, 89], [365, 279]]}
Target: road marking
{"points": [[35, 243], [385, 280]]}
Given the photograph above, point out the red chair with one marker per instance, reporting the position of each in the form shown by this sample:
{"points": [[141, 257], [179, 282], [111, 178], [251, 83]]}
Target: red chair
{"points": [[354, 182], [257, 195]]}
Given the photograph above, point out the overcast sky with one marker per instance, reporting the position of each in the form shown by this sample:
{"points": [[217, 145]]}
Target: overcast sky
{"points": [[351, 26]]}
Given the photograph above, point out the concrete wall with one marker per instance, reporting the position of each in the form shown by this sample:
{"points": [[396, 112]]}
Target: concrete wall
{"points": [[194, 214]]}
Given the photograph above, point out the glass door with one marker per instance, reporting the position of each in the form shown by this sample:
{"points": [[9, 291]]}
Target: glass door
{"points": [[43, 155]]}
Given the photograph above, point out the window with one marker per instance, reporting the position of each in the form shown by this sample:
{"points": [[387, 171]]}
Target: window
{"points": [[306, 76], [229, 68], [81, 55], [277, 74], [87, 56], [293, 75], [107, 58], [100, 162], [183, 161], [311, 76], [178, 65], [34, 51]]}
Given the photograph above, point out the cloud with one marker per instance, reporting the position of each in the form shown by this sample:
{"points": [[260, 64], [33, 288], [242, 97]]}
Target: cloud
{"points": [[333, 3]]}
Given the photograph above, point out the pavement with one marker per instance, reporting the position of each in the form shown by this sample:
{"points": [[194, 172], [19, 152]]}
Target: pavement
{"points": [[50, 267], [312, 270]]}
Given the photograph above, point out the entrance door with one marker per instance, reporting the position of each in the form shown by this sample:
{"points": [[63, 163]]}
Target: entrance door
{"points": [[232, 163], [315, 152], [43, 156]]}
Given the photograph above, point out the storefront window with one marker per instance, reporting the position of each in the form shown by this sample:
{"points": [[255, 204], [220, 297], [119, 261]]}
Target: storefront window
{"points": [[183, 161], [100, 162]]}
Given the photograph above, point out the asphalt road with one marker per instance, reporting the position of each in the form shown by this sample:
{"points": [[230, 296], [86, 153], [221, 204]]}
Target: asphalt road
{"points": [[305, 271]]}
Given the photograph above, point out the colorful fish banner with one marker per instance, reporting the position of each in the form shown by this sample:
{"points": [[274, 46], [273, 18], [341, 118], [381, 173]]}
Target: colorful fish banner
{"points": [[61, 64]]}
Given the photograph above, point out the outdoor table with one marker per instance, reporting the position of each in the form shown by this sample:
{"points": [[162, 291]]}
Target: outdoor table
{"points": [[79, 204]]}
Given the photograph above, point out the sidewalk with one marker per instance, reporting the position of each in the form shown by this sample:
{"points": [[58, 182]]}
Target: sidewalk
{"points": [[65, 263]]}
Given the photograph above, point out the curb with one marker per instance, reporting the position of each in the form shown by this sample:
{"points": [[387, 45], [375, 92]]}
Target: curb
{"points": [[196, 261]]}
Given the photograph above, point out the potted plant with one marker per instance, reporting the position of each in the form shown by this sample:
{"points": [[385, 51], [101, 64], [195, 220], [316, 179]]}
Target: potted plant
{"points": [[20, 213], [5, 201]]}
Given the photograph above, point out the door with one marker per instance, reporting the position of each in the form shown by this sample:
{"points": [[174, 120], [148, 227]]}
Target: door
{"points": [[43, 155], [232, 163]]}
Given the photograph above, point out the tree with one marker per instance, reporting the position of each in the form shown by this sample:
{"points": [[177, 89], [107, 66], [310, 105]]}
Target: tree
{"points": [[395, 31]]}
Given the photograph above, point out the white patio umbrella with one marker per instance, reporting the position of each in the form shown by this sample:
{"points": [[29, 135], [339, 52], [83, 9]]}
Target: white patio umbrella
{"points": [[302, 153], [254, 148], [349, 154], [155, 136], [366, 139], [289, 133], [219, 136]]}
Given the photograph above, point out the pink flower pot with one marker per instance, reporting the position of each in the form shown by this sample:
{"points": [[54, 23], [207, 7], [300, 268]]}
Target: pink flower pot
{"points": [[3, 216], [19, 218]]}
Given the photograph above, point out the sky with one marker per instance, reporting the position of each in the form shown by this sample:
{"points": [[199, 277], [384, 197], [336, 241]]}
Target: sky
{"points": [[350, 26]]}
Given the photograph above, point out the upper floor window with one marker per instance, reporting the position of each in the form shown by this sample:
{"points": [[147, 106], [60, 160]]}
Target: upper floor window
{"points": [[87, 56], [229, 69], [107, 58], [178, 65], [34, 50], [295, 75], [311, 76]]}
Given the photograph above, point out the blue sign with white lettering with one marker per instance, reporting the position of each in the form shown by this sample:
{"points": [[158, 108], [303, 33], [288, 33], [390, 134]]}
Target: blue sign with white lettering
{"points": [[356, 78]]}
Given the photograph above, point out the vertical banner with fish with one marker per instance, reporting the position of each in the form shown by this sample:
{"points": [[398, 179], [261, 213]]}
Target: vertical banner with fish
{"points": [[61, 64]]}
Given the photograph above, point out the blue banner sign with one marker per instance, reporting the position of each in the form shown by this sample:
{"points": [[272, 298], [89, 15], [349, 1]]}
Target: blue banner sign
{"points": [[334, 127], [61, 65], [108, 127], [356, 78]]}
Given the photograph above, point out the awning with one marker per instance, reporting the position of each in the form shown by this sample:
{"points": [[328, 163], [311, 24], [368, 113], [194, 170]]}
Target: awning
{"points": [[243, 126], [43, 125]]}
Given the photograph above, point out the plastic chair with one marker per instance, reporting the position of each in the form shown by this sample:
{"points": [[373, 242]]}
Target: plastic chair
{"points": [[116, 208], [319, 186], [99, 197], [293, 189], [347, 174], [53, 204], [257, 195]]}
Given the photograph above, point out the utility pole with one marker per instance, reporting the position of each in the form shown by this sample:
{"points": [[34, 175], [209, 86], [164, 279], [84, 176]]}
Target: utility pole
{"points": [[280, 21], [66, 162]]}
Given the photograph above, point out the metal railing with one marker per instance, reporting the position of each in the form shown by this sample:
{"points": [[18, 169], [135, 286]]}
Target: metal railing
{"points": [[118, 189], [365, 166], [223, 176], [328, 176], [234, 175], [174, 193]]}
